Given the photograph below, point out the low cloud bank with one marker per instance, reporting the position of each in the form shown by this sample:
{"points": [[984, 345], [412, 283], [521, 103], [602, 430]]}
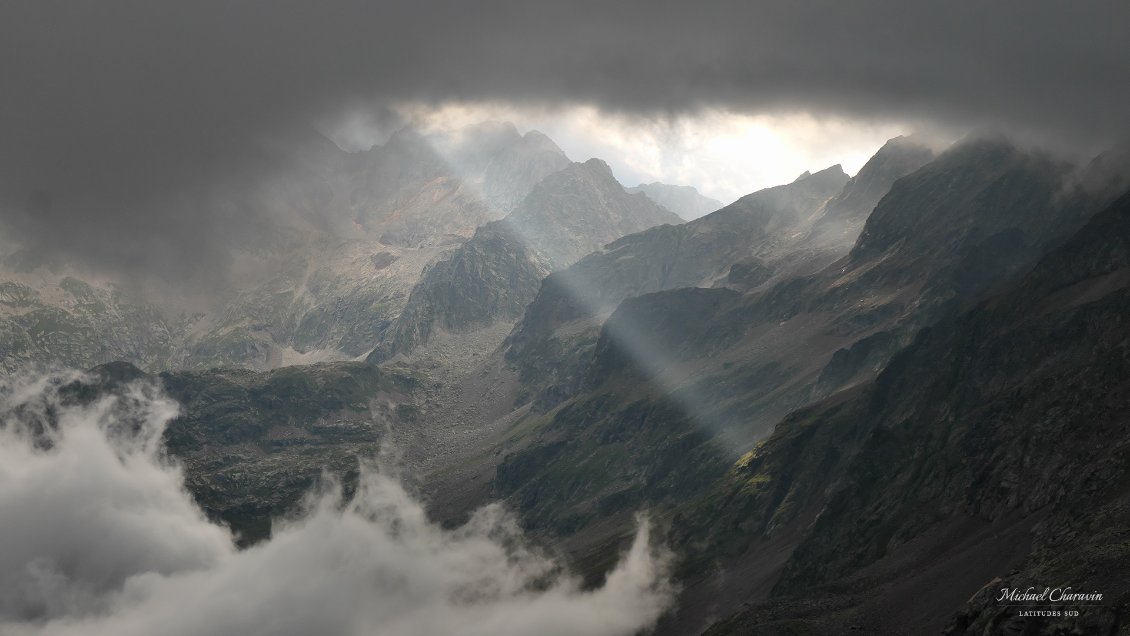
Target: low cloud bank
{"points": [[100, 537]]}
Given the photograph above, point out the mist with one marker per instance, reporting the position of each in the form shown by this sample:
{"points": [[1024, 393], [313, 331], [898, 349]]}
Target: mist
{"points": [[132, 131], [102, 538]]}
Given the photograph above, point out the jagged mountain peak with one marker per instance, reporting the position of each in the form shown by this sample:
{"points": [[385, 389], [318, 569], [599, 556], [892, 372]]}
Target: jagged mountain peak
{"points": [[830, 179], [580, 209], [536, 135], [900, 148], [845, 213], [499, 162], [963, 191], [741, 246], [599, 166], [494, 275], [831, 174], [538, 139], [833, 171]]}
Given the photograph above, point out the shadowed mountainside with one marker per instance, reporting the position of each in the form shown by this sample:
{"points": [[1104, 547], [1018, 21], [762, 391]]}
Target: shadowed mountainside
{"points": [[493, 276], [981, 458], [762, 238], [679, 380]]}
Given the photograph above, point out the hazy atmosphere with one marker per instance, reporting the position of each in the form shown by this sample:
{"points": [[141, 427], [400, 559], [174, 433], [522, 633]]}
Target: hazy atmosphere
{"points": [[127, 121], [564, 318]]}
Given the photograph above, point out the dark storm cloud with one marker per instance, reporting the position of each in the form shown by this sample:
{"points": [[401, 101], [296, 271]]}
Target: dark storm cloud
{"points": [[125, 125]]}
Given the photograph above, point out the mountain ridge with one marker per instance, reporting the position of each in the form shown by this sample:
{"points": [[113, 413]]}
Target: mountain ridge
{"points": [[568, 214], [686, 201]]}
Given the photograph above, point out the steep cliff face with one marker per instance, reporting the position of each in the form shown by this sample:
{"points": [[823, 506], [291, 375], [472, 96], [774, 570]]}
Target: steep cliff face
{"points": [[978, 425], [494, 275], [487, 279]]}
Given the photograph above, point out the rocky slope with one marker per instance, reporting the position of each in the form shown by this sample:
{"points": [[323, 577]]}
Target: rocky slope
{"points": [[747, 238], [981, 458], [353, 235], [686, 201], [411, 200], [843, 216], [864, 438], [329, 301], [494, 275], [253, 444], [579, 210], [763, 237], [489, 278], [62, 320], [715, 369]]}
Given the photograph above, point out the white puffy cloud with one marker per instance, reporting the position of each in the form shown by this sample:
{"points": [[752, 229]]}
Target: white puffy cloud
{"points": [[100, 537]]}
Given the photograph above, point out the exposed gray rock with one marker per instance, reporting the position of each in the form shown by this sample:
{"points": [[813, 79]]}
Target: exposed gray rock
{"points": [[981, 424], [494, 275], [578, 210], [724, 367], [757, 233], [355, 232]]}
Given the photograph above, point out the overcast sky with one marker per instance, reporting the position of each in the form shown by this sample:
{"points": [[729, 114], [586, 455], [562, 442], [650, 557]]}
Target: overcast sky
{"points": [[117, 117], [723, 153]]}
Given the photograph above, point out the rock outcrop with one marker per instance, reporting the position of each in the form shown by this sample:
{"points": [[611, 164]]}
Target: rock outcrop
{"points": [[493, 276]]}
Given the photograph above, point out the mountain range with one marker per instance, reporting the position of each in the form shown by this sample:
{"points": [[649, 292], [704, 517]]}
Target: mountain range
{"points": [[850, 404]]}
